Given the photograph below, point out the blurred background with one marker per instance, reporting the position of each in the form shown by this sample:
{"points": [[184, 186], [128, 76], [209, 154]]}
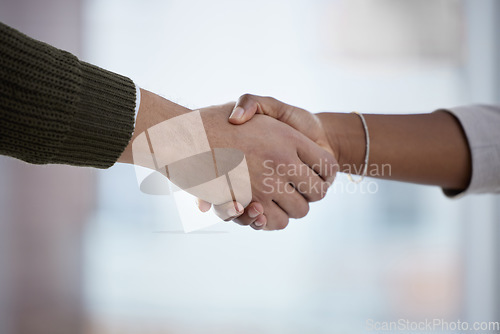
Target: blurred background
{"points": [[84, 251]]}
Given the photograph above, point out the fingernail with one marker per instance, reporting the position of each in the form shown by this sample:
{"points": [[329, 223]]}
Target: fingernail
{"points": [[253, 212], [258, 223], [237, 113]]}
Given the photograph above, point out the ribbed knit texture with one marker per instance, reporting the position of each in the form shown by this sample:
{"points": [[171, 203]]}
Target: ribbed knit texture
{"points": [[57, 109]]}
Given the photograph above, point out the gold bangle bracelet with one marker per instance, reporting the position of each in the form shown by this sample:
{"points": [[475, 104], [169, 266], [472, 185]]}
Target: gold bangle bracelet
{"points": [[367, 154]]}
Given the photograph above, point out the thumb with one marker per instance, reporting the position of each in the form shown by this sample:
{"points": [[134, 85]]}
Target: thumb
{"points": [[301, 120], [244, 109]]}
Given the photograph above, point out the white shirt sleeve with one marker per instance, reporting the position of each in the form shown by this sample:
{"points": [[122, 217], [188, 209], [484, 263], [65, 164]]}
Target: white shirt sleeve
{"points": [[481, 124], [137, 100]]}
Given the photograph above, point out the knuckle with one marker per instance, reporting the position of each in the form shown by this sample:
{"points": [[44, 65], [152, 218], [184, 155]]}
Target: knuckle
{"points": [[246, 97], [319, 192], [322, 192], [281, 224], [245, 222], [270, 99], [314, 197], [241, 221], [303, 210]]}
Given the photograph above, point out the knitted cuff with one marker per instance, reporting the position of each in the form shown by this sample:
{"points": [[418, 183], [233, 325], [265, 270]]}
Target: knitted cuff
{"points": [[103, 122], [57, 109]]}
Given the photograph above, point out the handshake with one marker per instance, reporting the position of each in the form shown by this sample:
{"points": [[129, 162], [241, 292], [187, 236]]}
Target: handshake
{"points": [[289, 156], [290, 159], [260, 162]]}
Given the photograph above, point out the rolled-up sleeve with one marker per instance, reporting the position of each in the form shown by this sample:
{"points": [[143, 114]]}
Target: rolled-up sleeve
{"points": [[481, 124]]}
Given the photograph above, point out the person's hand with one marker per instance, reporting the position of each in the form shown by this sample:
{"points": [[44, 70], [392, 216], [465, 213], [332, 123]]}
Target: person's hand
{"points": [[300, 119], [287, 169], [279, 159]]}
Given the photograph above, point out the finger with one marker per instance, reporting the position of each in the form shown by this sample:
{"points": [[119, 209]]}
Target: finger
{"points": [[277, 219], [319, 160], [307, 182], [204, 206], [229, 211], [248, 105], [251, 215], [244, 109], [300, 119], [290, 201], [260, 223]]}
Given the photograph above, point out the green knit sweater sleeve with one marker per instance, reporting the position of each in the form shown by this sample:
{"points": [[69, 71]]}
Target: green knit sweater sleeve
{"points": [[55, 108]]}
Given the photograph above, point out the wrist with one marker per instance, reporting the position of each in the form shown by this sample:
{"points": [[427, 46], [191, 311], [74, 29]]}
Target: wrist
{"points": [[214, 120], [346, 137], [153, 109]]}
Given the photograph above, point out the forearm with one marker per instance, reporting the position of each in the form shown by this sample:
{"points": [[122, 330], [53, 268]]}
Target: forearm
{"points": [[153, 109], [424, 148]]}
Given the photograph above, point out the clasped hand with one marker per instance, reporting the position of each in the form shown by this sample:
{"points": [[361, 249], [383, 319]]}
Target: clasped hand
{"points": [[290, 160]]}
